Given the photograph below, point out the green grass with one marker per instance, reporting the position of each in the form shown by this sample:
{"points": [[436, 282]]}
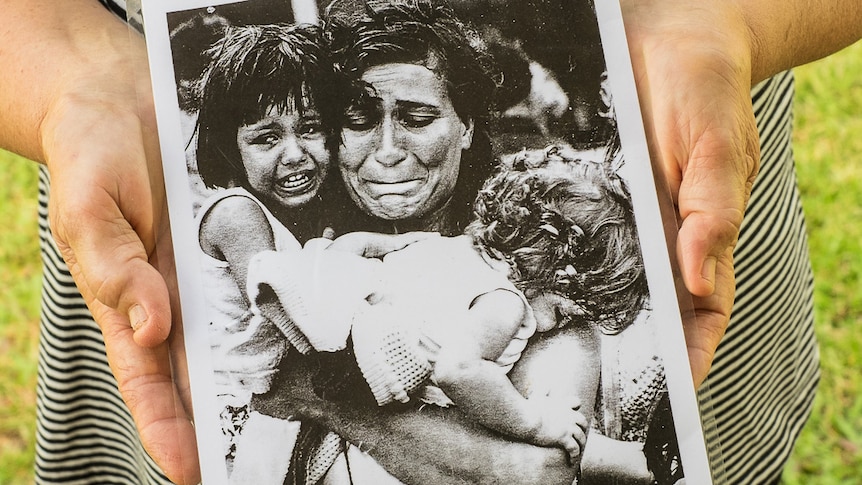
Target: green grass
{"points": [[829, 156], [20, 278]]}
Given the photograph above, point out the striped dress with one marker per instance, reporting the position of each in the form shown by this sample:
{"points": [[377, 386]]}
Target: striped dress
{"points": [[760, 390]]}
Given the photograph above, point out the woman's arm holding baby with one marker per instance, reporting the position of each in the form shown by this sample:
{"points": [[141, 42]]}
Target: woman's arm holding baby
{"points": [[434, 446]]}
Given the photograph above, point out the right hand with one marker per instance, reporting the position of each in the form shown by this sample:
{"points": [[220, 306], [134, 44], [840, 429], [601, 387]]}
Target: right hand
{"points": [[693, 67], [105, 212]]}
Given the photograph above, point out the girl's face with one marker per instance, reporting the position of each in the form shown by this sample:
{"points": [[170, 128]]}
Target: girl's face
{"points": [[285, 156], [552, 310]]}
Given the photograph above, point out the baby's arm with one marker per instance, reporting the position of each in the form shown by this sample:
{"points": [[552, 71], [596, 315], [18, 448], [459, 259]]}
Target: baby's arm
{"points": [[234, 230], [465, 370]]}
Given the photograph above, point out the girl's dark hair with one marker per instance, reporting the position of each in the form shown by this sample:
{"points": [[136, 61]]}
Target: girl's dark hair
{"points": [[256, 68], [569, 232], [363, 34]]}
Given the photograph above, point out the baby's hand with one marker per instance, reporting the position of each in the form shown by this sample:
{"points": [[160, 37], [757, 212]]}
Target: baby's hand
{"points": [[561, 424], [374, 245]]}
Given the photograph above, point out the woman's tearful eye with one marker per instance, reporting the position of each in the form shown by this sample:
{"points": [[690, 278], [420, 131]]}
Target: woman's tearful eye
{"points": [[360, 119], [418, 119]]}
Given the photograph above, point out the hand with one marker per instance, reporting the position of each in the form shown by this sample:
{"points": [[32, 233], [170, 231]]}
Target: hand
{"points": [[105, 209], [375, 245], [561, 424], [692, 66]]}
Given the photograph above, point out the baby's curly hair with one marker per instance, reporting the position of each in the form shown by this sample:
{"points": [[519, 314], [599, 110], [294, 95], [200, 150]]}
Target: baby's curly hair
{"points": [[570, 232]]}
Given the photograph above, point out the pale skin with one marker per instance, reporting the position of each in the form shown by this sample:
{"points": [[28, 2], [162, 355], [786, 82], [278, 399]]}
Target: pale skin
{"points": [[466, 367], [61, 111], [467, 373], [455, 449]]}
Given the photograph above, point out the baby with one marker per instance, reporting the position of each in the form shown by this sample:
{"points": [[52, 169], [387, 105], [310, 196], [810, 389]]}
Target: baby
{"points": [[444, 319]]}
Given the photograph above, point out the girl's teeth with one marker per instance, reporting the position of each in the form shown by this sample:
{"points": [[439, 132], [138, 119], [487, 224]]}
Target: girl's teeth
{"points": [[296, 180]]}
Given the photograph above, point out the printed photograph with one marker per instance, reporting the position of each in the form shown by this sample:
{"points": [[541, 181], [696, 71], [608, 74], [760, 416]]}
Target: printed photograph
{"points": [[419, 242]]}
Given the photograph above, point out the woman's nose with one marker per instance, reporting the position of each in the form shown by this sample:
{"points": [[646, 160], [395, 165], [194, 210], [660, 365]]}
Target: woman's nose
{"points": [[292, 151], [390, 147]]}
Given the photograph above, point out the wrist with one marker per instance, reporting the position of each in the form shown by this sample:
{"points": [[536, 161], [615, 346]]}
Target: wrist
{"points": [[99, 71], [676, 33]]}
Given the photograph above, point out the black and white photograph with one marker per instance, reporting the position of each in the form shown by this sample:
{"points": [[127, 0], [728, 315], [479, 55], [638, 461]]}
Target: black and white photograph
{"points": [[420, 242]]}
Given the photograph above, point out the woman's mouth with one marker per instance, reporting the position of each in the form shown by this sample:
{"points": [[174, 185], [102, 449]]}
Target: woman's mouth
{"points": [[402, 187]]}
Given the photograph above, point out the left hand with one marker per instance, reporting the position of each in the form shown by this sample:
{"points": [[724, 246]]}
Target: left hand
{"points": [[692, 65]]}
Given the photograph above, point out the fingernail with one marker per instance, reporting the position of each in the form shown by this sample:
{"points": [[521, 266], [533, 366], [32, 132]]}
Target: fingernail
{"points": [[707, 271], [137, 317]]}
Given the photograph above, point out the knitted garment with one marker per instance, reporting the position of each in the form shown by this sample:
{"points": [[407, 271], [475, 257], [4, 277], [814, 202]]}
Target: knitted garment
{"points": [[320, 290], [633, 382], [389, 354]]}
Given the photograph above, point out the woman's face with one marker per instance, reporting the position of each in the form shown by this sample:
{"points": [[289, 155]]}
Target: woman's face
{"points": [[402, 150], [285, 157]]}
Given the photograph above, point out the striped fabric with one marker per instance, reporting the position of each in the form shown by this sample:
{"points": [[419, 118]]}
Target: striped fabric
{"points": [[765, 373], [116, 6], [760, 389], [84, 432]]}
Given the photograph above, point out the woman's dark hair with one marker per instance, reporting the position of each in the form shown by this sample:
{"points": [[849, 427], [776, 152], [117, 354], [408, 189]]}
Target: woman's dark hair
{"points": [[569, 232], [363, 34], [256, 68]]}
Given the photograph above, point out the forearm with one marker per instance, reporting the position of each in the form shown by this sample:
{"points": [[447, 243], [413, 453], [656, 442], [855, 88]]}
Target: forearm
{"points": [[485, 394], [48, 48], [440, 446], [790, 33], [611, 461], [419, 446]]}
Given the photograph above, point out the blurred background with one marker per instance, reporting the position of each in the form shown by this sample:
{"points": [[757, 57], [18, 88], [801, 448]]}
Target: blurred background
{"points": [[828, 149]]}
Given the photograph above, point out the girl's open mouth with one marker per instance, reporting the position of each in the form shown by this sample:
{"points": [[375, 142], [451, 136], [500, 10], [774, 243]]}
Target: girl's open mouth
{"points": [[298, 182]]}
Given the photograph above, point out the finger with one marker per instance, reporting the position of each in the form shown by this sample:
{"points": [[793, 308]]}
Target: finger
{"points": [[401, 241], [705, 324], [146, 385], [111, 267], [582, 422], [712, 199], [128, 298], [580, 435], [573, 451]]}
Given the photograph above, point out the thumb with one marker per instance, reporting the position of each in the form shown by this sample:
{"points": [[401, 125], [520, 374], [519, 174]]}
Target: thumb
{"points": [[110, 265]]}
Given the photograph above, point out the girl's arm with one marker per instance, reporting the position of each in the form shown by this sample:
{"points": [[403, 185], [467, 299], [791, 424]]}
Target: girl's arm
{"points": [[465, 370], [234, 230]]}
